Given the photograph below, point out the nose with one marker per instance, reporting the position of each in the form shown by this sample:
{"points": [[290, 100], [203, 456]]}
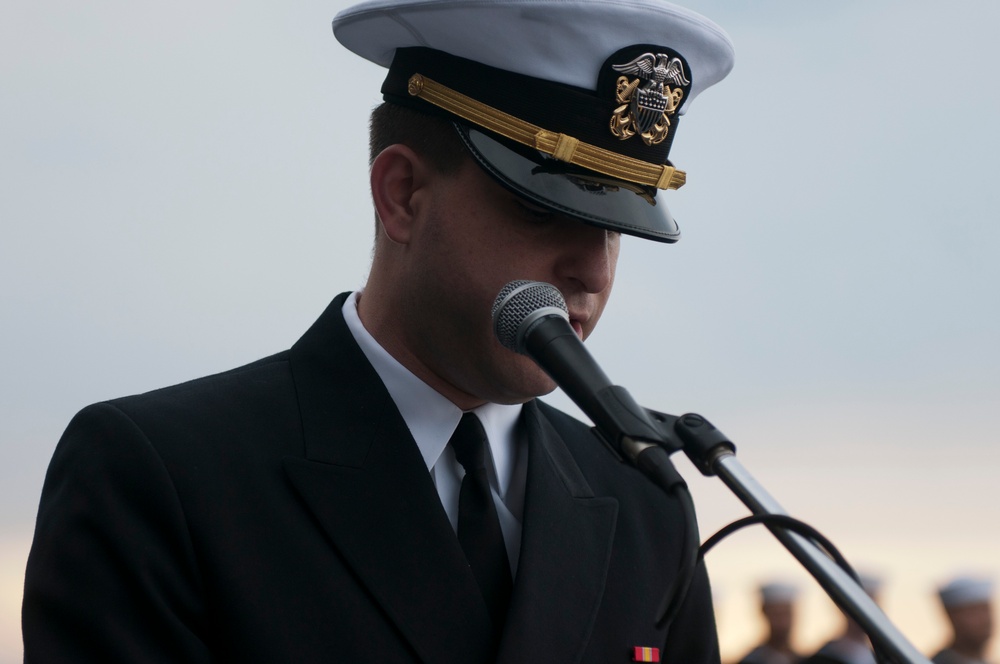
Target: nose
{"points": [[588, 258]]}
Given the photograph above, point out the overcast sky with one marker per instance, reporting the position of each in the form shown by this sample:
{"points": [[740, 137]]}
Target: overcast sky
{"points": [[183, 189]]}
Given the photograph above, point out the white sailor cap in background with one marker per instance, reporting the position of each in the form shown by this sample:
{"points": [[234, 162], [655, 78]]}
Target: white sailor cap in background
{"points": [[572, 104], [778, 592], [964, 590]]}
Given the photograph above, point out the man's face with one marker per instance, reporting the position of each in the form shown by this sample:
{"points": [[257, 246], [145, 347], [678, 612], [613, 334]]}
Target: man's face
{"points": [[973, 623], [471, 237]]}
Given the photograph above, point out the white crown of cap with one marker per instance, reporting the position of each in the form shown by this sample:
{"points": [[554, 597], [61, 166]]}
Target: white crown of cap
{"points": [[778, 592], [966, 590], [565, 41]]}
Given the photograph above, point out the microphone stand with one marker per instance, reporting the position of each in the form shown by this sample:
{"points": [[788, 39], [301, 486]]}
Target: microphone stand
{"points": [[530, 318], [713, 454], [629, 430]]}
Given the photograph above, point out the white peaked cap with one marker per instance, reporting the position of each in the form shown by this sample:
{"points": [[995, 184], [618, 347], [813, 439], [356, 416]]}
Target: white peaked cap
{"points": [[778, 592], [964, 590], [555, 40], [572, 104]]}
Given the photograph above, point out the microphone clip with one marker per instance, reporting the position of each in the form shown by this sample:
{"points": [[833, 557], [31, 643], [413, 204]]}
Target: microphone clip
{"points": [[628, 429]]}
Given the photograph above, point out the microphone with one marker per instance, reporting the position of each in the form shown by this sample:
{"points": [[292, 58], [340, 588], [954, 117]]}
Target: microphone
{"points": [[531, 318]]}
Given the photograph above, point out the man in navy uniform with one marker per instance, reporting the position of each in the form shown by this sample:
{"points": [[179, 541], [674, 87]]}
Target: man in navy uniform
{"points": [[777, 606], [968, 604], [852, 645], [389, 489]]}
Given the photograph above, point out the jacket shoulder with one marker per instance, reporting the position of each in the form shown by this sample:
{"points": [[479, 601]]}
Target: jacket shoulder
{"points": [[212, 418], [261, 375]]}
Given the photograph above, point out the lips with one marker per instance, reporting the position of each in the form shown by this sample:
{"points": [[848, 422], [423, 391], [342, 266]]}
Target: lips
{"points": [[577, 322], [584, 311]]}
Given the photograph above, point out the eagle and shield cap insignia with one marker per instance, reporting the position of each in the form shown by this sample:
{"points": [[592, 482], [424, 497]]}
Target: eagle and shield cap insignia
{"points": [[650, 85]]}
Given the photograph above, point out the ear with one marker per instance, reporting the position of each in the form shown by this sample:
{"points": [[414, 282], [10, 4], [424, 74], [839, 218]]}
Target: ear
{"points": [[398, 176]]}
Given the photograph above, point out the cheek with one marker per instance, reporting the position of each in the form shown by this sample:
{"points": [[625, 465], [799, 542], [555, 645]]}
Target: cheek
{"points": [[614, 250], [602, 302]]}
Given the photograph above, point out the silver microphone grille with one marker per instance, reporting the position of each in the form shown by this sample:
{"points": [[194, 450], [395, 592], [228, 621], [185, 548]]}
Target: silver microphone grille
{"points": [[521, 303]]}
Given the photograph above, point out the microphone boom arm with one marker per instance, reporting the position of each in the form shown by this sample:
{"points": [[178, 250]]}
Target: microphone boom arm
{"points": [[715, 455], [531, 318]]}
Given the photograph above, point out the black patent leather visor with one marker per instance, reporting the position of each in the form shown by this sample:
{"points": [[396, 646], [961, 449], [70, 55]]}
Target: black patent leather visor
{"points": [[585, 195]]}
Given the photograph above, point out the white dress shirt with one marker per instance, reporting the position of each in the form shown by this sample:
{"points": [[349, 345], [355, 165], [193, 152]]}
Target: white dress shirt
{"points": [[432, 419]]}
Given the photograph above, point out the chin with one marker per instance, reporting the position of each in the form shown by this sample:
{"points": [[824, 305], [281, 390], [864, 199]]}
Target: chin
{"points": [[510, 378], [523, 384], [538, 387]]}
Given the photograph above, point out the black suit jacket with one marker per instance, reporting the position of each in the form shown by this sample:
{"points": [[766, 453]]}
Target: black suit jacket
{"points": [[281, 512]]}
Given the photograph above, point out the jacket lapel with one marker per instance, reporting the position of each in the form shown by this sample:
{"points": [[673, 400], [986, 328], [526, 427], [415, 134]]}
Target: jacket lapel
{"points": [[565, 552], [367, 485]]}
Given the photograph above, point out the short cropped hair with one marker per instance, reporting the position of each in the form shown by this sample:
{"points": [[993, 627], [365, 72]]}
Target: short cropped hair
{"points": [[432, 137]]}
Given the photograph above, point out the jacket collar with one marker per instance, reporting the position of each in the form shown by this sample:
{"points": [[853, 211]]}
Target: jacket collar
{"points": [[364, 480], [565, 553]]}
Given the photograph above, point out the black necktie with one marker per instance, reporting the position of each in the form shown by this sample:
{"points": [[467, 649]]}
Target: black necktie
{"points": [[478, 525]]}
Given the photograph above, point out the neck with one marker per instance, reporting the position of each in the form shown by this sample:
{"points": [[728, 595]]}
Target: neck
{"points": [[373, 310], [779, 642]]}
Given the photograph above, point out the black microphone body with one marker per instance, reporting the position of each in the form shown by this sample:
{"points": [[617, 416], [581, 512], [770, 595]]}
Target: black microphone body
{"points": [[553, 344], [543, 333]]}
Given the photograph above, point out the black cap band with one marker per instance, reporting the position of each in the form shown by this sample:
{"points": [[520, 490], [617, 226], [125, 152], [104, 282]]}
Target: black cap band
{"points": [[583, 114]]}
